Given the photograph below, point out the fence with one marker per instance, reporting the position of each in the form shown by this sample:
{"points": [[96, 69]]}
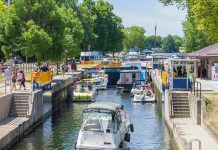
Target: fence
{"points": [[26, 67]]}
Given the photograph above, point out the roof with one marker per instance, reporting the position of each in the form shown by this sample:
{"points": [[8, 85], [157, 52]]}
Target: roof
{"points": [[104, 105], [211, 50]]}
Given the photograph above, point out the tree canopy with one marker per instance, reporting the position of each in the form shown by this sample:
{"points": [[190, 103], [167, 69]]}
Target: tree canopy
{"points": [[134, 38], [51, 29], [200, 26], [171, 44]]}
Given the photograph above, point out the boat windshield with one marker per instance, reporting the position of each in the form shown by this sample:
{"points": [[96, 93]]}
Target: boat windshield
{"points": [[83, 88], [97, 121]]}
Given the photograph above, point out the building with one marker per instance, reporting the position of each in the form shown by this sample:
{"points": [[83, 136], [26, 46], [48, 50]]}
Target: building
{"points": [[208, 66]]}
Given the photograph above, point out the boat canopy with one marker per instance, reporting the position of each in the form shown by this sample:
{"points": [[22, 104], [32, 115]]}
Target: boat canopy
{"points": [[104, 105]]}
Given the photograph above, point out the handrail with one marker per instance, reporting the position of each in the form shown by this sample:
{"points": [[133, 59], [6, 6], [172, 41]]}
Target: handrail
{"points": [[195, 140], [196, 89]]}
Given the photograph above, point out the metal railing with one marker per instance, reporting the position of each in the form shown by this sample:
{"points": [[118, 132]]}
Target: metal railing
{"points": [[195, 140], [5, 84], [196, 89]]}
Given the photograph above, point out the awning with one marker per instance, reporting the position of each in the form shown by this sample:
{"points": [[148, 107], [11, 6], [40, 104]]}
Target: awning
{"points": [[210, 51]]}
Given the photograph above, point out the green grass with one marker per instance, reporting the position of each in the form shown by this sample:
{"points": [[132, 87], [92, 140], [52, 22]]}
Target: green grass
{"points": [[212, 109]]}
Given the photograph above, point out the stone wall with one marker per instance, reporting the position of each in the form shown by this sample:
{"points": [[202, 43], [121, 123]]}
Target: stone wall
{"points": [[5, 104]]}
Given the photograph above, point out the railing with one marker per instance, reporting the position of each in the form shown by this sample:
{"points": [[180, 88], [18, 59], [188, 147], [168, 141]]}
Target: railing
{"points": [[5, 84], [171, 102], [195, 140], [196, 89]]}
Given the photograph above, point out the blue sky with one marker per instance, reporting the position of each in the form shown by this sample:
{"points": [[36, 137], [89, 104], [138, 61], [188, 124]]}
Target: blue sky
{"points": [[147, 13]]}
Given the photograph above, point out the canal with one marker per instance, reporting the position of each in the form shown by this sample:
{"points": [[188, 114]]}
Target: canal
{"points": [[61, 129]]}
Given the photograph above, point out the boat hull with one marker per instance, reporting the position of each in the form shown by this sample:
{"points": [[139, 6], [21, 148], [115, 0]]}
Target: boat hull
{"points": [[125, 87]]}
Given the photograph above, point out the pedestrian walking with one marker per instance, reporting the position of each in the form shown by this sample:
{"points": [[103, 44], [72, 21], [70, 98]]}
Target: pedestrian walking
{"points": [[19, 78], [7, 75], [13, 79]]}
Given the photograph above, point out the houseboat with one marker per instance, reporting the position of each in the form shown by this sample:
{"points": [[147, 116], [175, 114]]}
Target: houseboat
{"points": [[130, 73]]}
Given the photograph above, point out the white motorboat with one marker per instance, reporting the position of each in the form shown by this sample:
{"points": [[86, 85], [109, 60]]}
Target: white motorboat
{"points": [[149, 96], [101, 83], [98, 77], [105, 127], [139, 97], [84, 91]]}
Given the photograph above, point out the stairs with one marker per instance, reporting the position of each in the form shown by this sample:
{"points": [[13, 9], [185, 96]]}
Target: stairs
{"points": [[181, 105], [19, 105]]}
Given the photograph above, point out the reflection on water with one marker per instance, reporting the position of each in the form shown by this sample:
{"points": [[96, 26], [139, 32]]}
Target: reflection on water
{"points": [[60, 131]]}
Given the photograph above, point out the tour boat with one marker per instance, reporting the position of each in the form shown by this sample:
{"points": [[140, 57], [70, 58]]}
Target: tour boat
{"points": [[84, 91], [130, 73], [105, 126]]}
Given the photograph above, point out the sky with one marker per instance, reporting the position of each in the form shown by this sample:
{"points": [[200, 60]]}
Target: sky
{"points": [[147, 13]]}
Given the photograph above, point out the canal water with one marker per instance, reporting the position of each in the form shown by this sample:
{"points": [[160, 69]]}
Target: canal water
{"points": [[60, 131]]}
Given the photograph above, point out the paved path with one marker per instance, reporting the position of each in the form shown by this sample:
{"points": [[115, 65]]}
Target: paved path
{"points": [[208, 85], [187, 130]]}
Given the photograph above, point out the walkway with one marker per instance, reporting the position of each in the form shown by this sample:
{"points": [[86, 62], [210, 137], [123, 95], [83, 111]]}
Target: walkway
{"points": [[187, 130], [208, 85]]}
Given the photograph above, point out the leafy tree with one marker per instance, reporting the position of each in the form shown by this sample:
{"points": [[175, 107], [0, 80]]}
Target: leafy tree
{"points": [[41, 29], [201, 24], [194, 39], [3, 8], [87, 15], [150, 42], [108, 28], [171, 43], [134, 38]]}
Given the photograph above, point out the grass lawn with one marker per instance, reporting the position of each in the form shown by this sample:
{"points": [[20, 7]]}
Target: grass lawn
{"points": [[212, 109]]}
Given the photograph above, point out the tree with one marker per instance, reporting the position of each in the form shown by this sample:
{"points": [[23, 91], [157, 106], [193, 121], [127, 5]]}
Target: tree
{"points": [[202, 18], [41, 29], [171, 44], [134, 38], [3, 8], [150, 42], [194, 39], [87, 15], [108, 28]]}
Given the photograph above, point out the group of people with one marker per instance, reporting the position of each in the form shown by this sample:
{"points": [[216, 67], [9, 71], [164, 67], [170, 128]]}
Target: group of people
{"points": [[65, 68], [15, 77]]}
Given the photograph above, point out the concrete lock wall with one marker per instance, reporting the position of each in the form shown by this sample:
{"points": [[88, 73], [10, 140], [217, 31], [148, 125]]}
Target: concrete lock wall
{"points": [[197, 108], [37, 105], [5, 104]]}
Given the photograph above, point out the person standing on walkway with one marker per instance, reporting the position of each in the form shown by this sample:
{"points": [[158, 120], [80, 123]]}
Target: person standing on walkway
{"points": [[23, 80], [192, 79], [13, 79], [19, 78], [8, 74]]}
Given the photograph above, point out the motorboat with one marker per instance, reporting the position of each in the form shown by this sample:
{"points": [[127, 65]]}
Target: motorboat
{"points": [[105, 126], [98, 77], [138, 86], [84, 91], [149, 96], [139, 97]]}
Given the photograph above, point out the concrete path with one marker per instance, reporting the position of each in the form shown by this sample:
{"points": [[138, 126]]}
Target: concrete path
{"points": [[188, 130], [208, 85]]}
